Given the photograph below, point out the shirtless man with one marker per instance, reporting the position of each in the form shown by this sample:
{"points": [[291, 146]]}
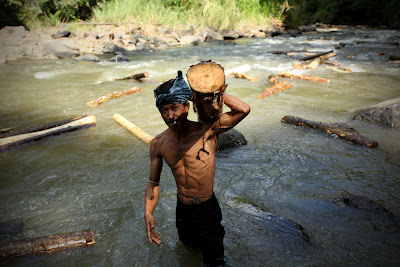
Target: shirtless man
{"points": [[188, 148]]}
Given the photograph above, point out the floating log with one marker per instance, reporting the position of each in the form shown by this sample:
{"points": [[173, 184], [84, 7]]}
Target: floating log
{"points": [[244, 76], [5, 131], [343, 132], [316, 55], [133, 129], [46, 244], [316, 62], [136, 76], [240, 69], [279, 86], [303, 77], [15, 140], [42, 127], [337, 67], [103, 99], [273, 79], [291, 53]]}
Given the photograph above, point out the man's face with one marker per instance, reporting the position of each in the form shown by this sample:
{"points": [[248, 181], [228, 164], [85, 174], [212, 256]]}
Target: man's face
{"points": [[173, 114]]}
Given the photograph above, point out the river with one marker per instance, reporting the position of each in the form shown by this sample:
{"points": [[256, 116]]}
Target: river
{"points": [[95, 177]]}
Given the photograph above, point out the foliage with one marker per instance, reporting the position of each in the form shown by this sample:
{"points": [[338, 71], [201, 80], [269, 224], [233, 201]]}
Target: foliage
{"points": [[370, 12], [46, 12], [216, 13]]}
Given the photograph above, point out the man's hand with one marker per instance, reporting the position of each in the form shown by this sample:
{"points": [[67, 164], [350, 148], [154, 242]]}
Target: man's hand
{"points": [[150, 228]]}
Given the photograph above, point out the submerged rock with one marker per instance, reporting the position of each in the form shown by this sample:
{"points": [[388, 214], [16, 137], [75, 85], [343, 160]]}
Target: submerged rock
{"points": [[119, 58], [385, 113], [88, 57], [230, 138]]}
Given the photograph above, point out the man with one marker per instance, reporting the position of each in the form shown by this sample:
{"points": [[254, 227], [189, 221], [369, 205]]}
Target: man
{"points": [[188, 148]]}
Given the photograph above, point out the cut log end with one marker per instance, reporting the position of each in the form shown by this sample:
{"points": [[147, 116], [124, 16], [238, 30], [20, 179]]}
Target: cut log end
{"points": [[206, 77]]}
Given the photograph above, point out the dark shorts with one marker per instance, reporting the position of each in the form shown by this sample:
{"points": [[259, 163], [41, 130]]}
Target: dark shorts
{"points": [[199, 226]]}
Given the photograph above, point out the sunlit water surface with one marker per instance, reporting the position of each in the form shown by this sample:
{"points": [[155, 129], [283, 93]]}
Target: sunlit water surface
{"points": [[95, 178]]}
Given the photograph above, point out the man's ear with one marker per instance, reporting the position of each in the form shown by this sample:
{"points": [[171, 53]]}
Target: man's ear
{"points": [[186, 106]]}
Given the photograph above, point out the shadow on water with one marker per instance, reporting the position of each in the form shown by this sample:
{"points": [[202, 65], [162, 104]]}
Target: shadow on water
{"points": [[279, 193]]}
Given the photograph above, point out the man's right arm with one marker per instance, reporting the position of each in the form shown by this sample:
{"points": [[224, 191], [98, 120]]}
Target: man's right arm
{"points": [[152, 191]]}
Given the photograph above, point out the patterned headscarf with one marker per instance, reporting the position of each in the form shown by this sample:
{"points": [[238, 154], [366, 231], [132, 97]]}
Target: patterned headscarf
{"points": [[178, 93]]}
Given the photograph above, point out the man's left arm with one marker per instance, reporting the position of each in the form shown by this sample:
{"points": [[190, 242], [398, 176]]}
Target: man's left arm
{"points": [[239, 110]]}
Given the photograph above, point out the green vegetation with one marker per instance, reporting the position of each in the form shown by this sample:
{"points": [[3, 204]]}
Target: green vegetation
{"points": [[220, 14], [368, 12]]}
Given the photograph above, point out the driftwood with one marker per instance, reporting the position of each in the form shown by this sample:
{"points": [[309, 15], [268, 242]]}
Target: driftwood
{"points": [[337, 67], [103, 99], [5, 131], [343, 132], [278, 86], [46, 244], [316, 55], [240, 69], [136, 76], [291, 53], [133, 129], [41, 127], [319, 60], [303, 77], [244, 76], [12, 141]]}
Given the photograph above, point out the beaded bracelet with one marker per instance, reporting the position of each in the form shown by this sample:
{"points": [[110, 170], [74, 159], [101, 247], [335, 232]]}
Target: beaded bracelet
{"points": [[154, 182]]}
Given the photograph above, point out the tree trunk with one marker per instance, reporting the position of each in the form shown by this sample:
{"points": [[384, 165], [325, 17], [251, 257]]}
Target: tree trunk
{"points": [[133, 129], [137, 76], [103, 99], [12, 141], [303, 77], [316, 55], [46, 244], [316, 62], [343, 132]]}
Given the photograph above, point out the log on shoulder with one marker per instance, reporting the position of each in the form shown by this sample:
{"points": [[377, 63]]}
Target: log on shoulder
{"points": [[46, 244], [102, 99], [15, 140], [343, 132], [137, 76]]}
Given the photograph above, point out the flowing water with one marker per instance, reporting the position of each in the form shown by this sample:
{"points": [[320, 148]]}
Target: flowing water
{"points": [[95, 177]]}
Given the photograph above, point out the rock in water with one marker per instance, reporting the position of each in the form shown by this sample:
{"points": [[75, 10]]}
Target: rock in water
{"points": [[230, 138], [385, 113]]}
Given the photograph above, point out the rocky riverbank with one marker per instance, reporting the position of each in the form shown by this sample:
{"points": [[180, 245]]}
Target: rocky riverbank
{"points": [[53, 43]]}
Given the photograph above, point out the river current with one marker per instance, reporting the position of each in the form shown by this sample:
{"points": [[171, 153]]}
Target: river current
{"points": [[285, 176]]}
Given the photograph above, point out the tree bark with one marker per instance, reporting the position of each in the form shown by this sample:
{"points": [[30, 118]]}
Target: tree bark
{"points": [[46, 244], [136, 76], [303, 77], [133, 129], [12, 141], [343, 132], [103, 99]]}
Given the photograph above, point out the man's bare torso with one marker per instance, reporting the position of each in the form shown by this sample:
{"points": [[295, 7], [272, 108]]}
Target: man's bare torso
{"points": [[191, 158]]}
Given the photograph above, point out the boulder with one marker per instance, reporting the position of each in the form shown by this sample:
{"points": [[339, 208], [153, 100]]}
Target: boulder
{"points": [[62, 34], [189, 40], [113, 48], [88, 57], [385, 113], [231, 138], [60, 50], [119, 58], [12, 35], [213, 37]]}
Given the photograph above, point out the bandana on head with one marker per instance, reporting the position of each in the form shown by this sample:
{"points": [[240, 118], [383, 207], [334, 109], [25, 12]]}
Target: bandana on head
{"points": [[178, 93]]}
